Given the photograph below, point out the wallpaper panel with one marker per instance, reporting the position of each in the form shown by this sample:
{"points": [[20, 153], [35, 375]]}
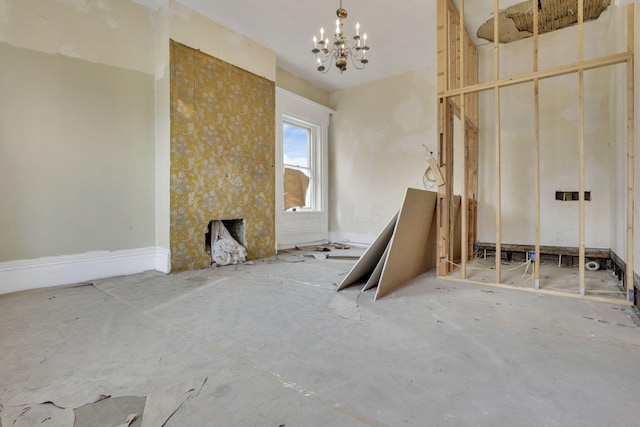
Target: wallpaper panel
{"points": [[222, 155]]}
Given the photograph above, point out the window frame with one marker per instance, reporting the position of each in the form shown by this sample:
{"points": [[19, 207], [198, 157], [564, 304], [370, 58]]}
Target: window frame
{"points": [[315, 182]]}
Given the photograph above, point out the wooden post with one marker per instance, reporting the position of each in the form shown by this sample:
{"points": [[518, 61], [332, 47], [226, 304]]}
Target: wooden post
{"points": [[630, 156], [581, 247], [465, 157], [445, 196], [536, 101], [444, 132], [496, 75]]}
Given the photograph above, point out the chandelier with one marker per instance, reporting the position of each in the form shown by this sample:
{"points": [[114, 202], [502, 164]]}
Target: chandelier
{"points": [[340, 50]]}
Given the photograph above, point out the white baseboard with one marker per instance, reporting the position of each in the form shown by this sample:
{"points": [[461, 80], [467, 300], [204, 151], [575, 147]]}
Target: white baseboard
{"points": [[67, 269], [352, 239]]}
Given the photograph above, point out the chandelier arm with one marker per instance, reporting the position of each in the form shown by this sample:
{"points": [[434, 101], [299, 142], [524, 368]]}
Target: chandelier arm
{"points": [[355, 62]]}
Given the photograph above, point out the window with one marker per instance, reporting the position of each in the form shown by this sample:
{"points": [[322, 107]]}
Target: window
{"points": [[301, 153], [298, 141]]}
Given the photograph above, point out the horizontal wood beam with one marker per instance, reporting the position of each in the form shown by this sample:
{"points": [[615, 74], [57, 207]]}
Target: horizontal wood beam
{"points": [[549, 250], [605, 61], [619, 301]]}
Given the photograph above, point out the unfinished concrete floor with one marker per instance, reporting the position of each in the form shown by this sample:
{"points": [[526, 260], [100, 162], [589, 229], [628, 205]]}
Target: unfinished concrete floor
{"points": [[273, 344], [600, 283]]}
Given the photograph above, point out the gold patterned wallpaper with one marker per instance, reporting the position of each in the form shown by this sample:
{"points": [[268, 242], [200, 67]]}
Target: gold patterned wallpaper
{"points": [[222, 155]]}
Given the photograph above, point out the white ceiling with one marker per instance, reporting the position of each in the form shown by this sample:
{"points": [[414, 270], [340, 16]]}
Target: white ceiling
{"points": [[402, 33], [398, 32]]}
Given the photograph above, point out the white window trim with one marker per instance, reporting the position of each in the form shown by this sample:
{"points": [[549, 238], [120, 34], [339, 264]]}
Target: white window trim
{"points": [[293, 226]]}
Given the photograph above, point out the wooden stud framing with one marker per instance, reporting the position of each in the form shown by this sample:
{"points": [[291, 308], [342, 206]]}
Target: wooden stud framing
{"points": [[581, 243], [496, 100], [458, 55], [630, 156], [465, 158], [444, 67], [536, 102], [590, 64], [458, 94]]}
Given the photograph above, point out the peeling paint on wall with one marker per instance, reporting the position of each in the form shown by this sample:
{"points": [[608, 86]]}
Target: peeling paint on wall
{"points": [[377, 151], [4, 11], [69, 51], [110, 32], [81, 6], [180, 12]]}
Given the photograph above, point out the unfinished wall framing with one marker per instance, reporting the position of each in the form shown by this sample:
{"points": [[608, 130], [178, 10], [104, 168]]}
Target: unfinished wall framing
{"points": [[457, 68], [458, 90]]}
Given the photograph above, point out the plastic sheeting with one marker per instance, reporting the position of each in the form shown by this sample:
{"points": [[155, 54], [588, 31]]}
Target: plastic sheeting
{"points": [[225, 250]]}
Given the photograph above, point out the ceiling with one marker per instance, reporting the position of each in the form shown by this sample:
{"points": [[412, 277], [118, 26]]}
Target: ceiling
{"points": [[402, 34]]}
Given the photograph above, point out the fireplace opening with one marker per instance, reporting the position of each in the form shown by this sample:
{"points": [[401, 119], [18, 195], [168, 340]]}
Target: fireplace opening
{"points": [[225, 229]]}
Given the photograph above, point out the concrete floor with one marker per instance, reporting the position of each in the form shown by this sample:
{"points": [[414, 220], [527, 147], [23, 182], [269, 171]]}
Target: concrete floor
{"points": [[600, 283], [273, 344]]}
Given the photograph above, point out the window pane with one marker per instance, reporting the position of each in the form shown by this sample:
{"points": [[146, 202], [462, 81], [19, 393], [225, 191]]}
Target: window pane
{"points": [[295, 143]]}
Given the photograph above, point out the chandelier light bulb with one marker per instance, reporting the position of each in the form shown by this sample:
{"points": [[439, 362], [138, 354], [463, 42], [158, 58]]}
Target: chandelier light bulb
{"points": [[357, 29]]}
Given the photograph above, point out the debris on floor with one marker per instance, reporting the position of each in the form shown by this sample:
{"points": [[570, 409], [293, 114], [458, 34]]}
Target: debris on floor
{"points": [[125, 411]]}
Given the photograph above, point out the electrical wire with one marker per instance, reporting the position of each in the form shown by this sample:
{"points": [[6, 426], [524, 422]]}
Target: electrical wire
{"points": [[428, 178], [529, 263]]}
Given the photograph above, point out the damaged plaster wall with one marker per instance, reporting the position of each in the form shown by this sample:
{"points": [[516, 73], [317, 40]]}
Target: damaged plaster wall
{"points": [[76, 121], [559, 143], [290, 82], [516, 21], [192, 29], [376, 150]]}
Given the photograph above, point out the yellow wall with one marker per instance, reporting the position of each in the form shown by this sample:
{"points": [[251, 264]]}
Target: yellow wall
{"points": [[222, 155]]}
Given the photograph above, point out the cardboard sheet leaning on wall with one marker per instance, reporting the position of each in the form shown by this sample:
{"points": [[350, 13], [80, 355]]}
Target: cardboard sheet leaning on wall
{"points": [[406, 247]]}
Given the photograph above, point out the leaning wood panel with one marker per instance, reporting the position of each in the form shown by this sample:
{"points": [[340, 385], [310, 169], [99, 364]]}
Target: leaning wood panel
{"points": [[409, 251], [369, 259], [374, 279]]}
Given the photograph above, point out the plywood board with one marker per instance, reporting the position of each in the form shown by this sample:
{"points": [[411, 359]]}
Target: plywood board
{"points": [[409, 253], [369, 259], [374, 279]]}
